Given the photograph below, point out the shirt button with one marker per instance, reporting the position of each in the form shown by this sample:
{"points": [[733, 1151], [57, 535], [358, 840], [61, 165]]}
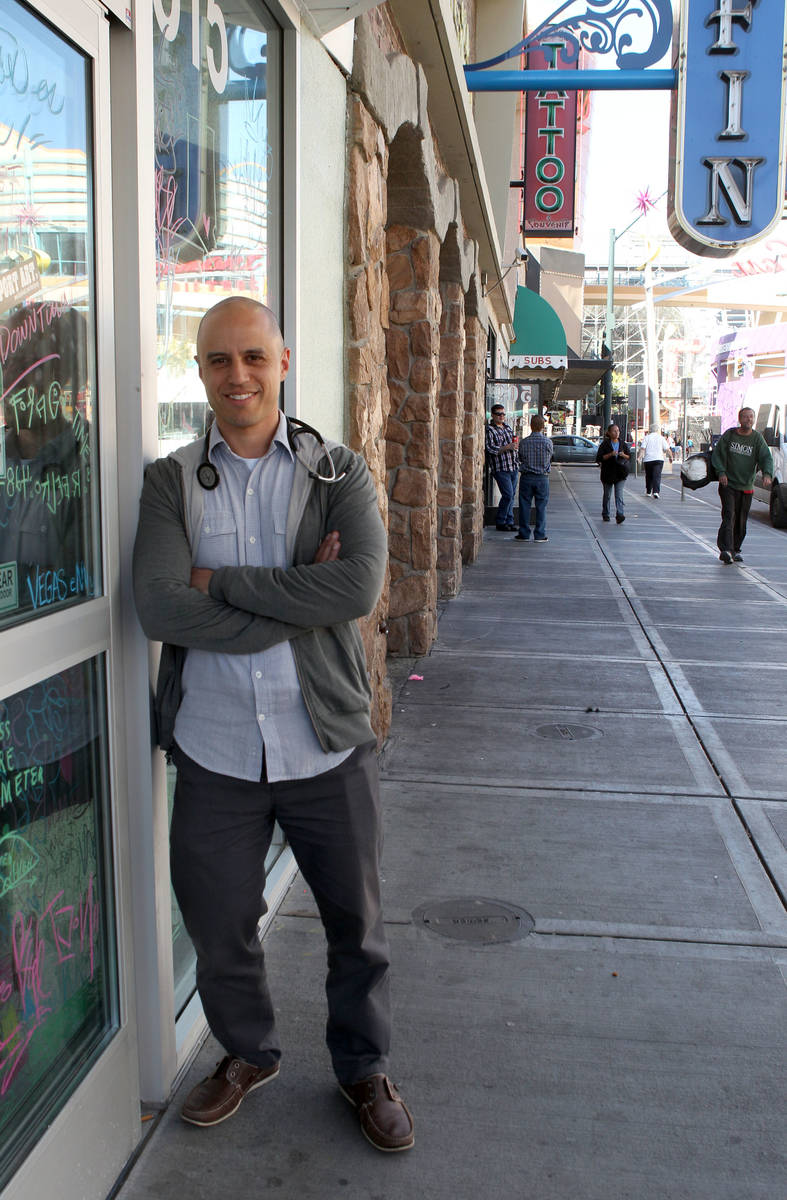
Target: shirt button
{"points": [[260, 717], [249, 491], [252, 540], [258, 674]]}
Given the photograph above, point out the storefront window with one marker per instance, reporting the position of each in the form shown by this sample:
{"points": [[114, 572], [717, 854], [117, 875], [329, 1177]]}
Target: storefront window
{"points": [[58, 990], [49, 555], [218, 166], [218, 217]]}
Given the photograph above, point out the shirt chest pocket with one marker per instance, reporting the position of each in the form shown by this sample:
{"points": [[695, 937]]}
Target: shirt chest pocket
{"points": [[218, 545]]}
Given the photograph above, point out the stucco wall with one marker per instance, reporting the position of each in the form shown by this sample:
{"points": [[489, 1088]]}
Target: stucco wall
{"points": [[322, 184]]}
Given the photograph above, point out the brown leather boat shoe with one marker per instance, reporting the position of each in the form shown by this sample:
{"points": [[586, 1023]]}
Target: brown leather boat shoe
{"points": [[385, 1120], [222, 1093]]}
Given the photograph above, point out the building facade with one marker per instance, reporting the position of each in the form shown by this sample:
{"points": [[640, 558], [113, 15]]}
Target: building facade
{"points": [[154, 158]]}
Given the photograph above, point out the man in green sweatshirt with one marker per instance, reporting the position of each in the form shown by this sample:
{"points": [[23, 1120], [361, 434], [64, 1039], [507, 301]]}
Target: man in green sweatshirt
{"points": [[739, 453]]}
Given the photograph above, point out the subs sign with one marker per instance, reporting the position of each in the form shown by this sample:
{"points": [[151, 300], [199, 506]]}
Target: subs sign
{"points": [[727, 149]]}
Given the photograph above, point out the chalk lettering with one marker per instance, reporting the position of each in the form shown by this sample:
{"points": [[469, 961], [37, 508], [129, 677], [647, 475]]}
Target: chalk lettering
{"points": [[52, 587], [15, 70], [18, 861]]}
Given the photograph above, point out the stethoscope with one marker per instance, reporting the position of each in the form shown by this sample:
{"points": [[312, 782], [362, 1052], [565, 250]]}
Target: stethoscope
{"points": [[208, 476]]}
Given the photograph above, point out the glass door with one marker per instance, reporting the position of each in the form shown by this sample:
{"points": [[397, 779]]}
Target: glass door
{"points": [[218, 219], [62, 1010]]}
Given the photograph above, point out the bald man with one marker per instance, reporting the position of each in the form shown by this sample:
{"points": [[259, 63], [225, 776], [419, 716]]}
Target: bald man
{"points": [[258, 548]]}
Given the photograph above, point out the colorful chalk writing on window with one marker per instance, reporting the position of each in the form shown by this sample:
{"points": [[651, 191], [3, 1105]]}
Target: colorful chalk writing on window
{"points": [[49, 554], [58, 992]]}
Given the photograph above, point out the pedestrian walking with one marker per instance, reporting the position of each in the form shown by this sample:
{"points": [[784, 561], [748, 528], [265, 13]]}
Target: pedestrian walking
{"points": [[535, 459], [501, 452], [737, 456], [613, 457], [653, 451], [257, 548]]}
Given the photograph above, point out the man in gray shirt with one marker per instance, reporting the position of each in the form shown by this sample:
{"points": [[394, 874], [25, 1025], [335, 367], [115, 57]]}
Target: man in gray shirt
{"points": [[257, 550]]}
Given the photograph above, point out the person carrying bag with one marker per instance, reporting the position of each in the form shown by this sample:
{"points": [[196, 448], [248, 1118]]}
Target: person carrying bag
{"points": [[613, 457]]}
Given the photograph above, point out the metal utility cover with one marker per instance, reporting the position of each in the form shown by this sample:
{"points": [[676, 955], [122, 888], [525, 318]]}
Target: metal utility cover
{"points": [[567, 733], [475, 919]]}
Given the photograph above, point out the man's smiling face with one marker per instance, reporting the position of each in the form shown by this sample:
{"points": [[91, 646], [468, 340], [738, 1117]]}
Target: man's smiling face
{"points": [[242, 362]]}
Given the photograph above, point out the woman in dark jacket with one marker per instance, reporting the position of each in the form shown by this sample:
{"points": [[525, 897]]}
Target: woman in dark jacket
{"points": [[613, 458]]}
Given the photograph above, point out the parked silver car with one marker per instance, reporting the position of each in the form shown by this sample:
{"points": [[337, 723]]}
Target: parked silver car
{"points": [[570, 448]]}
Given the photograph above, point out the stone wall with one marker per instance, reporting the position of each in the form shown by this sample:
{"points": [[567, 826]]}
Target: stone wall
{"points": [[473, 438], [367, 321], [451, 407], [413, 370], [416, 348]]}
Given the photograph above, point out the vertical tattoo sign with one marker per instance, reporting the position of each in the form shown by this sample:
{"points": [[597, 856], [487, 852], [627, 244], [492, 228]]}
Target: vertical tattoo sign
{"points": [[550, 148], [727, 128]]}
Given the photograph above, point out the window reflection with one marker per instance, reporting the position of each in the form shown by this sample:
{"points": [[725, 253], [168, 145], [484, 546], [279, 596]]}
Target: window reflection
{"points": [[48, 493], [217, 171]]}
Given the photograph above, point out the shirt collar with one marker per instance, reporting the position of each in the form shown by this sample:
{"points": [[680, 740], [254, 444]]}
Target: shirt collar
{"points": [[280, 438]]}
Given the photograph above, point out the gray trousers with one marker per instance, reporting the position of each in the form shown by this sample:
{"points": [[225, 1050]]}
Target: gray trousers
{"points": [[221, 832]]}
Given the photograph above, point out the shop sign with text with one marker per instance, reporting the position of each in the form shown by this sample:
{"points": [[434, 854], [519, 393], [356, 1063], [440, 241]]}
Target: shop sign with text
{"points": [[727, 127], [550, 149]]}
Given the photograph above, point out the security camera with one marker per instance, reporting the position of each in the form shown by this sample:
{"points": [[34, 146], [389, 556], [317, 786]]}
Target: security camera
{"points": [[521, 255]]}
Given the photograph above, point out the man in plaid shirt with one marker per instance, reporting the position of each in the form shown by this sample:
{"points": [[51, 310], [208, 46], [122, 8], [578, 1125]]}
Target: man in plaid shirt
{"points": [[501, 448], [535, 460]]}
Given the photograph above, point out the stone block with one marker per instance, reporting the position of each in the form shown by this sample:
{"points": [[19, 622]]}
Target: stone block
{"points": [[399, 547], [360, 364], [421, 449], [398, 644], [363, 128], [448, 405], [423, 339], [423, 544], [411, 487], [409, 595], [426, 262], [422, 375], [359, 307], [398, 236], [450, 522], [449, 582], [375, 216], [400, 272], [398, 519], [410, 306], [397, 345], [397, 431], [446, 495], [451, 383], [449, 430], [394, 455], [356, 209], [398, 394], [421, 630], [418, 408]]}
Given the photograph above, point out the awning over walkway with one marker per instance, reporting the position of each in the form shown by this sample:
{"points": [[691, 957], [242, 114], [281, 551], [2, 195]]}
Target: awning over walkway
{"points": [[540, 354]]}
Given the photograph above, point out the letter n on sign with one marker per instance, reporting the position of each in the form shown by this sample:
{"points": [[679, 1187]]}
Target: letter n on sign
{"points": [[727, 129]]}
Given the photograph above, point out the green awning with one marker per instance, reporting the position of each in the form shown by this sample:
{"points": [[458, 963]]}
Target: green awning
{"points": [[538, 330]]}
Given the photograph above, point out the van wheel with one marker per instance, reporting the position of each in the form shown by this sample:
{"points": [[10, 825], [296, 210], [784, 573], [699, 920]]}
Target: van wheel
{"points": [[779, 506]]}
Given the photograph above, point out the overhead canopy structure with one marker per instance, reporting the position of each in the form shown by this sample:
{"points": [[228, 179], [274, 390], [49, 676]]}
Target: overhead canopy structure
{"points": [[540, 354]]}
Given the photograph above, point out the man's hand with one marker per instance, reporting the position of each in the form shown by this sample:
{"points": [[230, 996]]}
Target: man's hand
{"points": [[200, 579], [766, 481], [329, 547], [723, 480]]}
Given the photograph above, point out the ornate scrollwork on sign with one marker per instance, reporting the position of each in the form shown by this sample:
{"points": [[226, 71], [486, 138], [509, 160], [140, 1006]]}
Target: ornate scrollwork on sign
{"points": [[637, 32]]}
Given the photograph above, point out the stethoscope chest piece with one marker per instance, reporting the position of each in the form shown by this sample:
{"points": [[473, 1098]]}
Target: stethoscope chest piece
{"points": [[207, 475]]}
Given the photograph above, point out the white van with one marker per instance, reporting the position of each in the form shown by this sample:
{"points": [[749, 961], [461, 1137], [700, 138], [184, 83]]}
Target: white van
{"points": [[771, 421]]}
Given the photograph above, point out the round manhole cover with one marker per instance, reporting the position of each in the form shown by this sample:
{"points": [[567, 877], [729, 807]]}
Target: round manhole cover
{"points": [[567, 733], [475, 919]]}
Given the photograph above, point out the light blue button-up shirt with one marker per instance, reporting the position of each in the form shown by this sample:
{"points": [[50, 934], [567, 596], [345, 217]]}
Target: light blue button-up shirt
{"points": [[234, 704]]}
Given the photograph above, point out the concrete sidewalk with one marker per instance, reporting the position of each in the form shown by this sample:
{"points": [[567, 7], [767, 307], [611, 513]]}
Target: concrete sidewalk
{"points": [[598, 744]]}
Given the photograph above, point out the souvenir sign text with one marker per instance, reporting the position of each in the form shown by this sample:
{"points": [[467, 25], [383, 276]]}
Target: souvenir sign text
{"points": [[727, 128]]}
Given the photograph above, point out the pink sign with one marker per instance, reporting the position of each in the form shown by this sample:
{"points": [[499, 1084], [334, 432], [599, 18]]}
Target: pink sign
{"points": [[550, 149]]}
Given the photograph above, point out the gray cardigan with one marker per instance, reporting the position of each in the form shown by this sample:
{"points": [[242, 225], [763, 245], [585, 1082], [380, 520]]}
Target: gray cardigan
{"points": [[247, 606]]}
